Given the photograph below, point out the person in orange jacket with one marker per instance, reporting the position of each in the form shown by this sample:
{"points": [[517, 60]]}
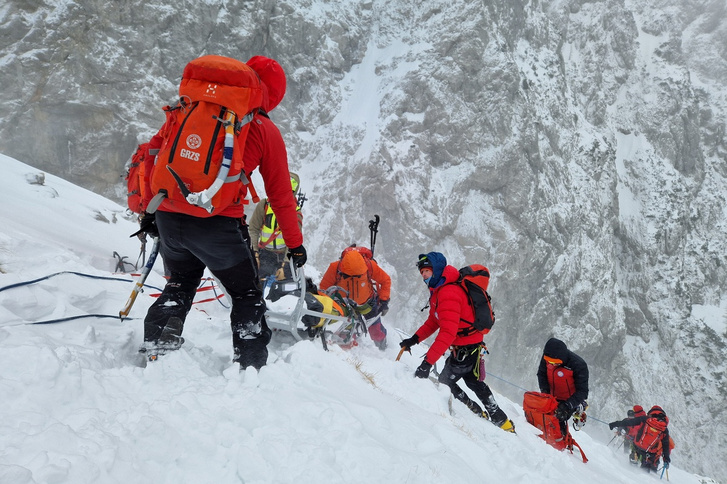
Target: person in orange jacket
{"points": [[449, 311], [365, 283]]}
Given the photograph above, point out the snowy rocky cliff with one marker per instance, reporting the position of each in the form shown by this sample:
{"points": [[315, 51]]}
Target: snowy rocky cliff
{"points": [[576, 148]]}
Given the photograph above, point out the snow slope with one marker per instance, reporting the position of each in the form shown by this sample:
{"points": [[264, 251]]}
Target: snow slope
{"points": [[79, 406]]}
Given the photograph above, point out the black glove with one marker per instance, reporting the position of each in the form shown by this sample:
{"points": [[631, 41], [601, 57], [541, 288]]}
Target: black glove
{"points": [[298, 255], [423, 370], [384, 307], [147, 225], [612, 425], [667, 460], [563, 412], [409, 342]]}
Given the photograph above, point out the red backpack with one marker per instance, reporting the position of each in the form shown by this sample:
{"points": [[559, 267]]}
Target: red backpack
{"points": [[539, 409], [651, 432], [200, 164], [475, 279], [138, 176]]}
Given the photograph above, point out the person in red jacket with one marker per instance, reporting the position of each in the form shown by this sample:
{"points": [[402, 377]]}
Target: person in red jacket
{"points": [[221, 242], [651, 441], [449, 311], [366, 284]]}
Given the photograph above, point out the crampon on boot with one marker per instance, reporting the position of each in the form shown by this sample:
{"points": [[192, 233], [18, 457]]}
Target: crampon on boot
{"points": [[170, 340], [508, 426]]}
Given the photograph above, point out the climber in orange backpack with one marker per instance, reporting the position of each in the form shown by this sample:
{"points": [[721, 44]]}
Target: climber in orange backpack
{"points": [[212, 141], [651, 440], [361, 280]]}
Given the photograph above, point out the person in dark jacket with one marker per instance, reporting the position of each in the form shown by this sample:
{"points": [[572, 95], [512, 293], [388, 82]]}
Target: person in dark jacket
{"points": [[564, 375], [449, 311], [651, 439], [629, 434]]}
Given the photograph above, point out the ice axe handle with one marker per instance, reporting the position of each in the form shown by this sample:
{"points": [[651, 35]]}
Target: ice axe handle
{"points": [[401, 352]]}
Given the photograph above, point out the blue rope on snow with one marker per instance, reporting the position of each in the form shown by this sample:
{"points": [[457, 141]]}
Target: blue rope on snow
{"points": [[27, 283]]}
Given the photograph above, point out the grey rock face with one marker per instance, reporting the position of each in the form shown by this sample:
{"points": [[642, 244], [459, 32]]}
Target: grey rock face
{"points": [[575, 148]]}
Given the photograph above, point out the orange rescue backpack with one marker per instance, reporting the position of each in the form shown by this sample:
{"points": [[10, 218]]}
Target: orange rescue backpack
{"points": [[651, 431], [199, 169], [539, 409], [138, 177]]}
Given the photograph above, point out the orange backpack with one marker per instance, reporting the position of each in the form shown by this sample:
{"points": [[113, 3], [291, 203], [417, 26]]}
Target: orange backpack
{"points": [[137, 177], [539, 409], [199, 168], [650, 434], [475, 279]]}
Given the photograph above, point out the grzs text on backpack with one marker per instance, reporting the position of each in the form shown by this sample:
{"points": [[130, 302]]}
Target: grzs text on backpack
{"points": [[199, 169]]}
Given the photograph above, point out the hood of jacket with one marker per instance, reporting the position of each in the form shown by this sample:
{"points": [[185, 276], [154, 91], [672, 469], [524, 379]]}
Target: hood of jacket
{"points": [[353, 264], [555, 348], [439, 262], [273, 80]]}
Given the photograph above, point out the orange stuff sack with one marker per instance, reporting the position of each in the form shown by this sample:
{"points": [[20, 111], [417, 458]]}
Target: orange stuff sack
{"points": [[204, 137], [539, 409]]}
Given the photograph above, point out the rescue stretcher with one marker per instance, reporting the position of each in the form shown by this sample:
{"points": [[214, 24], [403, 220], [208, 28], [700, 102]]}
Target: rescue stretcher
{"points": [[288, 306]]}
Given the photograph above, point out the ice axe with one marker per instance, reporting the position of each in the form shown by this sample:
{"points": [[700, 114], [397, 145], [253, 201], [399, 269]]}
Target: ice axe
{"points": [[374, 228], [401, 352], [142, 278]]}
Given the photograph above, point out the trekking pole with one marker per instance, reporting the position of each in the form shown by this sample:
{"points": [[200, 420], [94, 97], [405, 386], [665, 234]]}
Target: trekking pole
{"points": [[142, 278], [613, 438], [374, 228]]}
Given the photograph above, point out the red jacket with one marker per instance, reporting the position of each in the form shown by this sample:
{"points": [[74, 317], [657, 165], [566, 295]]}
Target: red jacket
{"points": [[448, 307]]}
